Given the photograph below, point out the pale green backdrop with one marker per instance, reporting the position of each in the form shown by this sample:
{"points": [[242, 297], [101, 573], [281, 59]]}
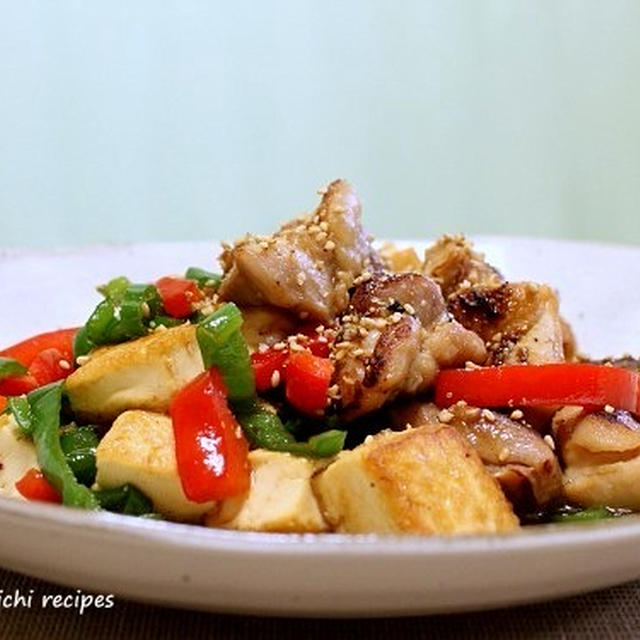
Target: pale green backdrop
{"points": [[140, 120]]}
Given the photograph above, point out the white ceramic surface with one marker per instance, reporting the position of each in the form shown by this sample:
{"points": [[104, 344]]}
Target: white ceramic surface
{"points": [[318, 574]]}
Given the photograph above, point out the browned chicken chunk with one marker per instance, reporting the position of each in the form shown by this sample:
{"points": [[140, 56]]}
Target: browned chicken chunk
{"points": [[308, 266], [454, 265], [392, 341], [514, 453], [601, 454], [519, 322]]}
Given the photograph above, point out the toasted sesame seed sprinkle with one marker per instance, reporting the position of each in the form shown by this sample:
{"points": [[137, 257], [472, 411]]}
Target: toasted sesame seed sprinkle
{"points": [[516, 414], [279, 346], [609, 409], [275, 378], [146, 310], [301, 277], [64, 364], [80, 360], [330, 245], [263, 347], [445, 416], [488, 415], [549, 440], [503, 455]]}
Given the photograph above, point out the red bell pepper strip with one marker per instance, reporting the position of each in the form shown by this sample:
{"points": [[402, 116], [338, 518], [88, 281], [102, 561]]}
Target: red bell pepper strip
{"points": [[178, 295], [211, 450], [265, 366], [49, 366], [3, 403], [307, 382], [18, 385], [589, 385], [25, 351], [34, 486]]}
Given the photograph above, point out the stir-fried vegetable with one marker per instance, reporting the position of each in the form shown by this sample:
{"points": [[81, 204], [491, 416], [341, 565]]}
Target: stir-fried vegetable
{"points": [[307, 382], [178, 295], [34, 486], [211, 450], [222, 346], [124, 314], [588, 385], [203, 278], [79, 447], [42, 421], [125, 499], [264, 429], [11, 368]]}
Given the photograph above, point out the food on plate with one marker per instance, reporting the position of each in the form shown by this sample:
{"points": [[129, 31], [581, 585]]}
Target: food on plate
{"points": [[322, 384]]}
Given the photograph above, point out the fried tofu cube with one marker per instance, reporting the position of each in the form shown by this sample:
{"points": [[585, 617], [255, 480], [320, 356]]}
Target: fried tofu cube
{"points": [[280, 498], [140, 449], [141, 374], [427, 480], [17, 456]]}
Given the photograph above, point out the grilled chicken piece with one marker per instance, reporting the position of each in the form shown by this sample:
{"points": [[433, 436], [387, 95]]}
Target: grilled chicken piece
{"points": [[601, 454], [454, 265], [393, 339], [519, 322], [514, 453], [309, 265]]}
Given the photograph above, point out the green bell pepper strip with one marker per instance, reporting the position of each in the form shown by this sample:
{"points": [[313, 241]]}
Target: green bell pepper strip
{"points": [[79, 447], [125, 499], [10, 367], [203, 278], [264, 429], [584, 515], [45, 426], [126, 313], [222, 345]]}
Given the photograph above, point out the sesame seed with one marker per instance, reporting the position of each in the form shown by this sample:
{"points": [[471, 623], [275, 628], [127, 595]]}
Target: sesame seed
{"points": [[275, 378], [549, 440], [80, 360], [146, 310], [301, 277], [321, 237], [471, 365], [409, 308], [609, 409], [279, 346], [64, 364], [488, 415], [263, 347], [445, 416], [330, 245], [516, 414], [324, 225], [503, 455]]}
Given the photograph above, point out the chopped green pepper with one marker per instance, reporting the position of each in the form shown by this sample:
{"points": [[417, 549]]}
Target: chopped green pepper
{"points": [[264, 429], [45, 424], [79, 447], [203, 278], [583, 515], [222, 345], [125, 499], [10, 367]]}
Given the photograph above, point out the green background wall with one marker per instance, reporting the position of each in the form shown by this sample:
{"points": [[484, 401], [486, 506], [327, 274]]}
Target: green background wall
{"points": [[147, 120]]}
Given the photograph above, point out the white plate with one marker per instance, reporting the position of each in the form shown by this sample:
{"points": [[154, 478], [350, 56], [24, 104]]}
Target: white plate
{"points": [[318, 574]]}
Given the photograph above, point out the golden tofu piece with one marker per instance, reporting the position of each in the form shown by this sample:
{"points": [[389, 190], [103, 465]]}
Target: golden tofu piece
{"points": [[17, 456], [280, 497], [140, 449], [141, 374], [427, 480]]}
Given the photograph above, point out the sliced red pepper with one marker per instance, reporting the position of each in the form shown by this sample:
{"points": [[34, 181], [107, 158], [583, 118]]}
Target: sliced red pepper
{"points": [[3, 403], [178, 295], [307, 382], [34, 486], [49, 366], [17, 385], [211, 450], [25, 351], [588, 385], [265, 366]]}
